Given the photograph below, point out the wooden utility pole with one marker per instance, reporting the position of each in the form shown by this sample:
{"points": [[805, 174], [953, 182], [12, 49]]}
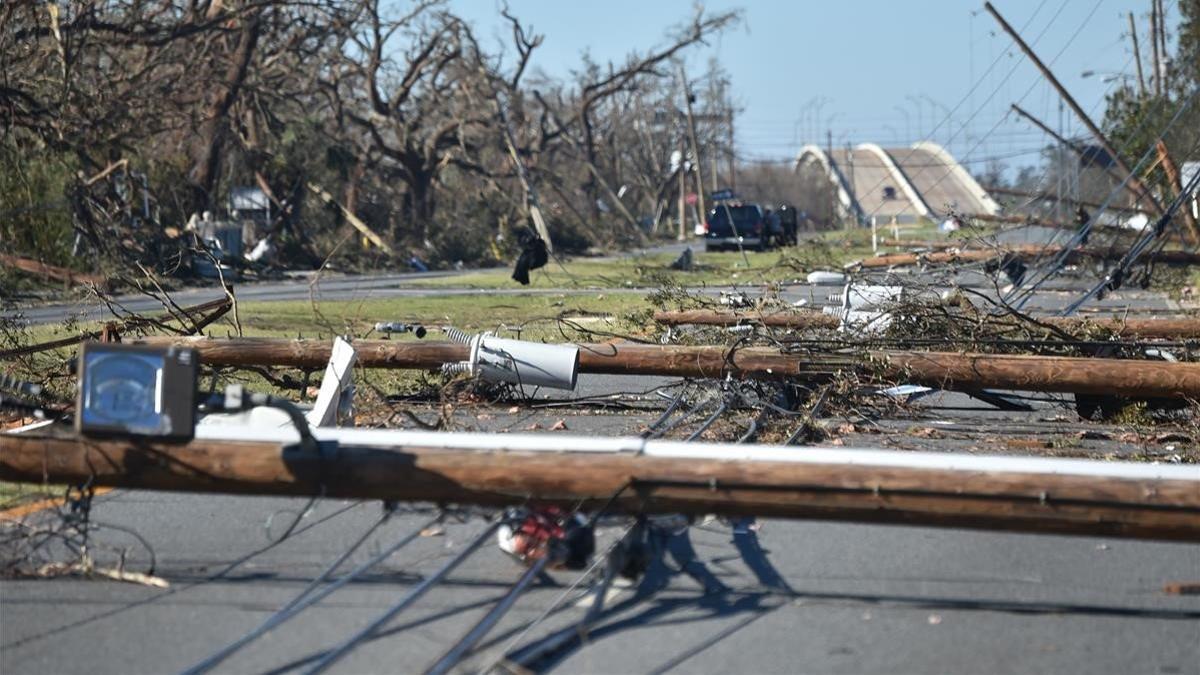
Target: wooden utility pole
{"points": [[1162, 36], [1117, 326], [1175, 181], [805, 319], [952, 371], [691, 130], [1156, 77], [732, 148], [682, 192], [1137, 57], [1070, 101], [1022, 251], [532, 204], [1034, 495], [833, 181]]}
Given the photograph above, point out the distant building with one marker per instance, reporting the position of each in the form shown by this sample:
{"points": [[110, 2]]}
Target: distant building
{"points": [[249, 203], [1187, 172], [902, 184]]}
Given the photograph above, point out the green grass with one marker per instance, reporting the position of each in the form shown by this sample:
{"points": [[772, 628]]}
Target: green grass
{"points": [[535, 315], [829, 250], [16, 494]]}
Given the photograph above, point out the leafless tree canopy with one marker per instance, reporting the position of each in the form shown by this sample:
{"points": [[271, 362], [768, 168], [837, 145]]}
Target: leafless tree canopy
{"points": [[432, 136]]}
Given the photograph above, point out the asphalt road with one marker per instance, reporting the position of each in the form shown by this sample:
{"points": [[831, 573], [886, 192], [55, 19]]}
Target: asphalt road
{"points": [[819, 598], [329, 287], [803, 597], [855, 599]]}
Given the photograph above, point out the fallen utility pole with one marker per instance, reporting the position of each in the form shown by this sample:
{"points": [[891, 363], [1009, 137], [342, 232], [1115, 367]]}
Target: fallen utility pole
{"points": [[1020, 220], [995, 493], [41, 269], [948, 257], [945, 370], [1174, 180], [800, 320], [951, 257], [807, 320]]}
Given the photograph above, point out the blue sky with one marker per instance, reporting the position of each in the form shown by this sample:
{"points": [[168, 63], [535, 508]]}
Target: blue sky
{"points": [[872, 71]]}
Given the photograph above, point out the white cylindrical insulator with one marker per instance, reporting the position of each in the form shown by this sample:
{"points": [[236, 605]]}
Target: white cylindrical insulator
{"points": [[526, 363], [822, 278], [456, 368]]}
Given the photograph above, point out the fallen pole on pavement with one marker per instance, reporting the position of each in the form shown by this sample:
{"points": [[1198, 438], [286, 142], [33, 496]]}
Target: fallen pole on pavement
{"points": [[947, 255], [1186, 328], [799, 320], [944, 370], [1018, 494]]}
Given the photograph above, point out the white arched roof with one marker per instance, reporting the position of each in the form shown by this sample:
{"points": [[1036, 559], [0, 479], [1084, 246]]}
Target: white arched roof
{"points": [[897, 174], [964, 178], [845, 196]]}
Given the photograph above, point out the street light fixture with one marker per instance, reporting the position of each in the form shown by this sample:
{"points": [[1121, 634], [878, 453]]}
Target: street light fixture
{"points": [[1106, 77], [917, 102], [907, 125]]}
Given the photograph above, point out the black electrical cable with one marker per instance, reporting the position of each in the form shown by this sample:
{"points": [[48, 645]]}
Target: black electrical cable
{"points": [[1085, 230], [309, 596], [1114, 278], [236, 399], [460, 649], [333, 655], [456, 653]]}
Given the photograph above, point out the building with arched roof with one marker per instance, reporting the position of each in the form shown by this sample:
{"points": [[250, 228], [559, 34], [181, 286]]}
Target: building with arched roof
{"points": [[922, 181]]}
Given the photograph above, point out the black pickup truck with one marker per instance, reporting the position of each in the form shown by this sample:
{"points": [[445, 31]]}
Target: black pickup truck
{"points": [[729, 225]]}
